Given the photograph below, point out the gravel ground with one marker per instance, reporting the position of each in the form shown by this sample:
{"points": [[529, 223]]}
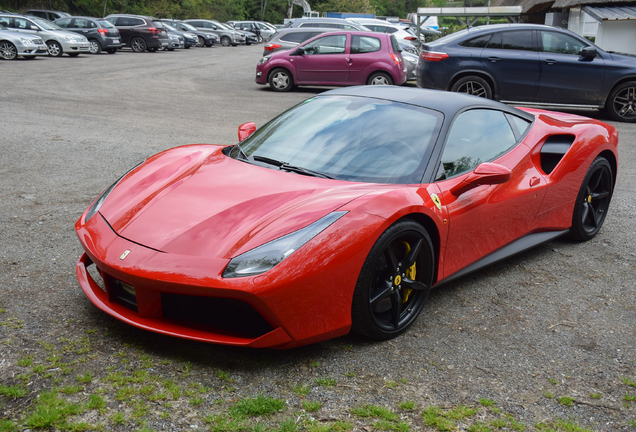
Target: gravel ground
{"points": [[544, 340]]}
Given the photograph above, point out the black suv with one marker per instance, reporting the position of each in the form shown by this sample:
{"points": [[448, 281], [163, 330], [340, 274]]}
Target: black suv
{"points": [[139, 32], [101, 34], [531, 64]]}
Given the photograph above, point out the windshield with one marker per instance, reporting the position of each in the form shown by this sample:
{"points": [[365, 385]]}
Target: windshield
{"points": [[188, 27], [46, 25], [169, 27], [225, 26], [105, 24], [350, 138]]}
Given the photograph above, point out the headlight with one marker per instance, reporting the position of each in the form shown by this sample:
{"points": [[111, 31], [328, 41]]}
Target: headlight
{"points": [[27, 41], [100, 200], [411, 60], [265, 257], [264, 59]]}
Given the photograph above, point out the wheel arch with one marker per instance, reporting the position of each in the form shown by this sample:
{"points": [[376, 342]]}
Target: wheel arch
{"points": [[616, 84], [486, 76], [379, 70], [433, 232], [611, 158], [273, 68]]}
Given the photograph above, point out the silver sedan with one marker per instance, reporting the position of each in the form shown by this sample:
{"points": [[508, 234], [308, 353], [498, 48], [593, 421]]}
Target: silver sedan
{"points": [[14, 44]]}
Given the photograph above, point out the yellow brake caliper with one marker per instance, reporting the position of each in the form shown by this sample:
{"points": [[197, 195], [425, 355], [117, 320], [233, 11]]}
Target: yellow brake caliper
{"points": [[410, 273]]}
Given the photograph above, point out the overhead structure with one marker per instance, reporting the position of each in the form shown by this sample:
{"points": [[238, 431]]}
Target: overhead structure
{"points": [[469, 15]]}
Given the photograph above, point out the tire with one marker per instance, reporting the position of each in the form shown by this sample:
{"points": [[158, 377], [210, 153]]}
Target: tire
{"points": [[225, 41], [8, 51], [55, 49], [260, 39], [111, 50], [200, 41], [188, 46], [169, 49], [380, 78], [473, 85], [621, 103], [281, 80], [73, 54], [394, 282], [28, 57], [154, 49], [592, 201], [138, 44], [95, 47]]}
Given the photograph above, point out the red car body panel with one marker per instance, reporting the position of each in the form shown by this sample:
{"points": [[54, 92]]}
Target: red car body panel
{"points": [[336, 69], [182, 225]]}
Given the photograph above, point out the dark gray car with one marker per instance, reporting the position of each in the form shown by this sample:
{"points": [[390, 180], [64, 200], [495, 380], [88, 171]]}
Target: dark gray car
{"points": [[205, 38], [101, 34], [226, 36]]}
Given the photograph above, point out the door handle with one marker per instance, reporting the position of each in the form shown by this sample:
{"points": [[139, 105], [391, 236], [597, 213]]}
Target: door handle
{"points": [[494, 59], [348, 60], [550, 61], [534, 181]]}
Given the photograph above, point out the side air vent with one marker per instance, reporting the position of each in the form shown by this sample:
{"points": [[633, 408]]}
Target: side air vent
{"points": [[553, 149]]}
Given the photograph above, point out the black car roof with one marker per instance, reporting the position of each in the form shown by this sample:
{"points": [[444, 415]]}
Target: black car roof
{"points": [[446, 102]]}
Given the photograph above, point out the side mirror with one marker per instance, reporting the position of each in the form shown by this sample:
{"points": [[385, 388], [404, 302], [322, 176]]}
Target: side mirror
{"points": [[245, 130], [485, 173], [300, 51], [588, 52]]}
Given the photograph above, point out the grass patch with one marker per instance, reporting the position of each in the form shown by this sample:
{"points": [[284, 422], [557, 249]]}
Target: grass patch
{"points": [[629, 398], [96, 402], [258, 406], [407, 406], [478, 427], [301, 390], [85, 379], [375, 411], [350, 374], [566, 400], [560, 426], [311, 406], [629, 382], [25, 361], [392, 426], [337, 426], [446, 420], [326, 382], [595, 395], [486, 402], [8, 426], [284, 426], [72, 389], [391, 384], [221, 423], [14, 391], [51, 411], [553, 381], [224, 376], [548, 394]]}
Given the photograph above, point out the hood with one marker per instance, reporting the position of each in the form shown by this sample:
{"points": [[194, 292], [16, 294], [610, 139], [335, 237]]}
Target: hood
{"points": [[194, 200]]}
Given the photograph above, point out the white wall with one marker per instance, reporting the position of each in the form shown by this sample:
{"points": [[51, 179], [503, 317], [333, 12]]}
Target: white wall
{"points": [[619, 36], [581, 23]]}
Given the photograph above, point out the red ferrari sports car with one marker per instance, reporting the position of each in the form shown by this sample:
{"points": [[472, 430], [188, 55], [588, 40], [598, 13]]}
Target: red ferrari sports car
{"points": [[341, 213]]}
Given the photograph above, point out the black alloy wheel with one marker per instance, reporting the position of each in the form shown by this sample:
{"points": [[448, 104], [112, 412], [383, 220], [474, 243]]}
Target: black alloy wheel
{"points": [[8, 51], [592, 201], [394, 282], [138, 44], [473, 85], [621, 103]]}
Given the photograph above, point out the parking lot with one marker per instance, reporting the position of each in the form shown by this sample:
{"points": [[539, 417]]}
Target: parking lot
{"points": [[544, 339]]}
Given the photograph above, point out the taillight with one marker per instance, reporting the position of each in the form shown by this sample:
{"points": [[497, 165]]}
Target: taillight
{"points": [[154, 30], [102, 32], [433, 56], [410, 38], [272, 46], [396, 59]]}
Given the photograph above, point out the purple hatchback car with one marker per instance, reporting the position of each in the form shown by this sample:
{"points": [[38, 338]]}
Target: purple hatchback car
{"points": [[335, 59]]}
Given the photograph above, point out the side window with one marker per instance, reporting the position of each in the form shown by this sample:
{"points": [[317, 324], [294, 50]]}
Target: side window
{"points": [[477, 136], [296, 37], [138, 22], [81, 23], [519, 123], [478, 42], [554, 42], [21, 23], [364, 44], [517, 40], [390, 30], [348, 27], [64, 23], [91, 24], [495, 41], [6, 21], [112, 20], [327, 45]]}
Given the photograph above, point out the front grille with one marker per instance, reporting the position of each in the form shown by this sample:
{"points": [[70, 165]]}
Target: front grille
{"points": [[124, 294], [216, 314]]}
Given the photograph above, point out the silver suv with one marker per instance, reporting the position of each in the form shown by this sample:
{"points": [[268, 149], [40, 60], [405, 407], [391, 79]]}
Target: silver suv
{"points": [[227, 37]]}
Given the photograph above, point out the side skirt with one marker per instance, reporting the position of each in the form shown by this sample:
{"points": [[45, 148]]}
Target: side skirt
{"points": [[553, 105], [517, 246]]}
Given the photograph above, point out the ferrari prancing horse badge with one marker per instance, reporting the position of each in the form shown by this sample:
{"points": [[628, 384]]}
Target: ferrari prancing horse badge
{"points": [[437, 202]]}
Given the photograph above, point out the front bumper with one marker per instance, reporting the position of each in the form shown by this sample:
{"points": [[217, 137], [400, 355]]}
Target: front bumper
{"points": [[75, 47], [32, 50]]}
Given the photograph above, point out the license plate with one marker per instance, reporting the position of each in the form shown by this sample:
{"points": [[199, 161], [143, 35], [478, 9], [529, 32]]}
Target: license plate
{"points": [[85, 45], [115, 40], [43, 47]]}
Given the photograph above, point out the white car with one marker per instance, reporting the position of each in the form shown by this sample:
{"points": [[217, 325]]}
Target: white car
{"points": [[401, 33], [58, 40], [14, 44]]}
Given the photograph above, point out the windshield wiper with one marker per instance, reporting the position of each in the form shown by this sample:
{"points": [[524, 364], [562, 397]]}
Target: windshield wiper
{"points": [[287, 167], [305, 171]]}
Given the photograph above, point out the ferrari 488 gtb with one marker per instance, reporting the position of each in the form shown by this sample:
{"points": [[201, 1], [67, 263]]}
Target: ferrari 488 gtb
{"points": [[341, 213]]}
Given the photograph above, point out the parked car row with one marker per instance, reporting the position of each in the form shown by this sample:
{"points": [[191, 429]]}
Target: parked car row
{"points": [[74, 35]]}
